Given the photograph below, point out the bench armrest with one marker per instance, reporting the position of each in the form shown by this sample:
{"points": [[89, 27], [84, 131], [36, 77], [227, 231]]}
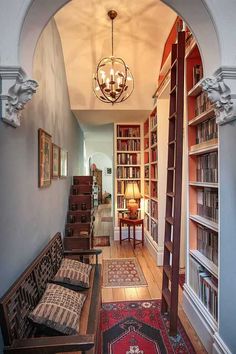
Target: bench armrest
{"points": [[78, 252], [51, 345]]}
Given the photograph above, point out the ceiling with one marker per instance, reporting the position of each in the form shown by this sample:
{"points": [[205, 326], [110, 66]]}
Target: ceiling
{"points": [[140, 31]]}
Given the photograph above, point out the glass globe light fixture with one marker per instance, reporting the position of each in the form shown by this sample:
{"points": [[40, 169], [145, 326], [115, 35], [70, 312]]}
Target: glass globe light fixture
{"points": [[113, 81]]}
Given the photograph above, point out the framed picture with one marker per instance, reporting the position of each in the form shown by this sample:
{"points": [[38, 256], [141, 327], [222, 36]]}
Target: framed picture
{"points": [[108, 171], [45, 157], [55, 161], [63, 163]]}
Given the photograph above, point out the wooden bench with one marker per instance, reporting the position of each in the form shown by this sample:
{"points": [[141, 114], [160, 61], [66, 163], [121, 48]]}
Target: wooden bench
{"points": [[20, 335]]}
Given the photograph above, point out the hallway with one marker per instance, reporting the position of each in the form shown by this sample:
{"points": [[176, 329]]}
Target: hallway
{"points": [[153, 275]]}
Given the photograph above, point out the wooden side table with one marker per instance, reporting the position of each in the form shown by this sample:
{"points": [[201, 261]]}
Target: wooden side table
{"points": [[134, 223]]}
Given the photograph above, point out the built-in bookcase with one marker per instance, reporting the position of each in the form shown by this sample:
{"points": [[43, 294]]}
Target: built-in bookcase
{"points": [[202, 267], [151, 176], [128, 153]]}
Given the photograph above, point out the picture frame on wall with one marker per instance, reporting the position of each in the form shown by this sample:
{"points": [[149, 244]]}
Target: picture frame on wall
{"points": [[63, 163], [55, 161], [45, 158], [108, 171]]}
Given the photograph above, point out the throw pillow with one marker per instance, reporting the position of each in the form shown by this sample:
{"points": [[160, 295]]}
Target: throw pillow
{"points": [[73, 273], [59, 309]]}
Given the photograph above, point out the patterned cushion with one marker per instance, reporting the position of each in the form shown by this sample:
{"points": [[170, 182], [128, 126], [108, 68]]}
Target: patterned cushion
{"points": [[59, 309], [74, 273]]}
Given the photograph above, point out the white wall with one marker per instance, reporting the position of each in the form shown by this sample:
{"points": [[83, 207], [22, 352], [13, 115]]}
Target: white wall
{"points": [[99, 146], [102, 161]]}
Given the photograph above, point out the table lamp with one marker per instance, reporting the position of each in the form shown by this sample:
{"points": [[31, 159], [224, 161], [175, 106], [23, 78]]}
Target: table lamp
{"points": [[132, 193]]}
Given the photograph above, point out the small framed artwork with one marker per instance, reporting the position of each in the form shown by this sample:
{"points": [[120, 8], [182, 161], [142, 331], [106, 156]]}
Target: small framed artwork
{"points": [[108, 171], [55, 161], [45, 157], [63, 163]]}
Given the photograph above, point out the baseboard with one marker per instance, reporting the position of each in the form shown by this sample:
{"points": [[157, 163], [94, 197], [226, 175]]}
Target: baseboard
{"points": [[200, 319], [219, 346], [138, 233], [155, 250]]}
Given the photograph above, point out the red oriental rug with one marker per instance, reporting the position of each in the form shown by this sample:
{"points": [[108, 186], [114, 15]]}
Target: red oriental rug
{"points": [[137, 327]]}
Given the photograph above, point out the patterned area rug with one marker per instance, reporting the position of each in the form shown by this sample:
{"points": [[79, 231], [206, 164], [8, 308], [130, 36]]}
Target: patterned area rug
{"points": [[101, 241], [137, 327], [122, 272], [107, 218]]}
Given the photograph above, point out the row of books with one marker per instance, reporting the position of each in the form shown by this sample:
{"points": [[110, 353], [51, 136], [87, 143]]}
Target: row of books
{"points": [[125, 214], [206, 131], [153, 121], [154, 231], [128, 132], [146, 172], [197, 73], [121, 186], [153, 138], [146, 143], [154, 209], [207, 203], [146, 127], [128, 172], [146, 222], [207, 167], [122, 202], [146, 157], [146, 187], [207, 243], [153, 155], [128, 159], [154, 189], [128, 145], [204, 285], [154, 171], [147, 206], [202, 103]]}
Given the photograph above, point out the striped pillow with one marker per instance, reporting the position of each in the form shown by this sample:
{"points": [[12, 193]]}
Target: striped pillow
{"points": [[59, 309], [73, 273]]}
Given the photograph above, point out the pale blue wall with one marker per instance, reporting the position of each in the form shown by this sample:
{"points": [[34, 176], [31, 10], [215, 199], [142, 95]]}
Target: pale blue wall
{"points": [[29, 216]]}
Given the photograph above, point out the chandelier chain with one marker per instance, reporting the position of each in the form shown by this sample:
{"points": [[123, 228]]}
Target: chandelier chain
{"points": [[112, 42]]}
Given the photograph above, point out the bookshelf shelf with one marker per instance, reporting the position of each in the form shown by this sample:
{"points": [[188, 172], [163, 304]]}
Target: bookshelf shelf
{"points": [[205, 222], [204, 184], [206, 147], [195, 90], [207, 263], [202, 117]]}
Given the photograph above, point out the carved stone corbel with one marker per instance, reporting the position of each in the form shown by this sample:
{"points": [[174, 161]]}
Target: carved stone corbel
{"points": [[219, 91], [16, 91]]}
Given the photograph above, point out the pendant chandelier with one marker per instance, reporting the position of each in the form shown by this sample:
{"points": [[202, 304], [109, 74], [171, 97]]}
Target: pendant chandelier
{"points": [[113, 81]]}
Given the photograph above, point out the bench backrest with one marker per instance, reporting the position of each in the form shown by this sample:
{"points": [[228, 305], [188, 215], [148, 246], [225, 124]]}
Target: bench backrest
{"points": [[27, 290]]}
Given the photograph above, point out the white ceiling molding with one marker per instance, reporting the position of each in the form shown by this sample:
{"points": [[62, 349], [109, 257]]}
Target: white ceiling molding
{"points": [[16, 91]]}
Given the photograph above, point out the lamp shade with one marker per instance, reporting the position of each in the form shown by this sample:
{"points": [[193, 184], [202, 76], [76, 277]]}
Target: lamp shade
{"points": [[132, 191]]}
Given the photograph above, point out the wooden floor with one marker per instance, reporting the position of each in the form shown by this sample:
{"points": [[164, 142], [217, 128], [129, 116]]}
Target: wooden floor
{"points": [[153, 275]]}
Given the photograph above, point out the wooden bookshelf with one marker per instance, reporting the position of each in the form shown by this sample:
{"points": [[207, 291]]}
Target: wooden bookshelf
{"points": [[203, 233], [128, 164], [151, 176]]}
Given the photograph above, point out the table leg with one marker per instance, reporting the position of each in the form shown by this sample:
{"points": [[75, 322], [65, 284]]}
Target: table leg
{"points": [[142, 234], [134, 236], [120, 232], [129, 232]]}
